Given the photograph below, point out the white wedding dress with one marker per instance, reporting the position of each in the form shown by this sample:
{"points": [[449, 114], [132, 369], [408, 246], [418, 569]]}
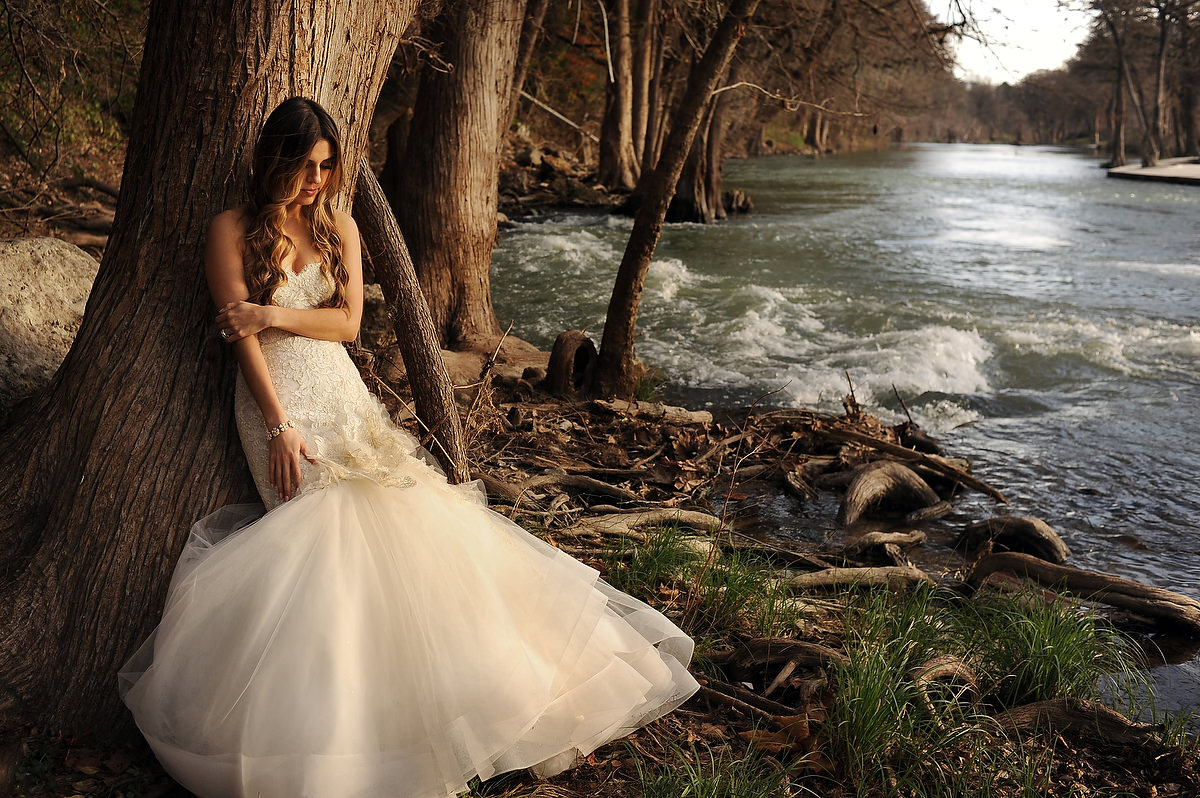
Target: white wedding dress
{"points": [[383, 633]]}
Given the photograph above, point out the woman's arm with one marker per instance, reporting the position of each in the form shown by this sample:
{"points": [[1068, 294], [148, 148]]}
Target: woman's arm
{"points": [[241, 318], [223, 266]]}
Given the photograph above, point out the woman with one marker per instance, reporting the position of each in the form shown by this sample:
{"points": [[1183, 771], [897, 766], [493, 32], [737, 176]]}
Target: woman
{"points": [[378, 632]]}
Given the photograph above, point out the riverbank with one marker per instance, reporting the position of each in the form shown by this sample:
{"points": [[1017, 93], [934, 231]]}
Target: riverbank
{"points": [[842, 667], [1184, 171]]}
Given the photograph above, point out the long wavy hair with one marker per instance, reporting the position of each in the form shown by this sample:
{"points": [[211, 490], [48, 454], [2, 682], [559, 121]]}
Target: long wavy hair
{"points": [[287, 137]]}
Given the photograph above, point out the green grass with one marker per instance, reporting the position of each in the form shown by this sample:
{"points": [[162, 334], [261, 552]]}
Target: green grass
{"points": [[720, 773], [731, 591], [649, 386], [1029, 649], [663, 559], [888, 736]]}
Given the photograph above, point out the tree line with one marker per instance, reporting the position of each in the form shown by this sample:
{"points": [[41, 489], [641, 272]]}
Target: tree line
{"points": [[1131, 86]]}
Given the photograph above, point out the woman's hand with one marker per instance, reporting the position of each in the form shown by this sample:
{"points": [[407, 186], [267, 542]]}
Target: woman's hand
{"points": [[240, 319], [286, 449]]}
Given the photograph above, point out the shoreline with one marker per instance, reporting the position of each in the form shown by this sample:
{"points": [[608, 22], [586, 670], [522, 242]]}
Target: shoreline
{"points": [[1182, 171]]}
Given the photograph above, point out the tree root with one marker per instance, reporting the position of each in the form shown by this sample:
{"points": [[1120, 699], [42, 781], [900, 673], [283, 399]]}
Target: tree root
{"points": [[1084, 716], [938, 464], [1151, 602]]}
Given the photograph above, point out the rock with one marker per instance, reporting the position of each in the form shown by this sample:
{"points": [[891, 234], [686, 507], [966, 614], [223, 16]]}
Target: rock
{"points": [[529, 156], [44, 287]]}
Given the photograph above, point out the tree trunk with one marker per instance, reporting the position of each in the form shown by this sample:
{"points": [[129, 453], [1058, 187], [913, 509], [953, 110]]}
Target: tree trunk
{"points": [[531, 30], [691, 202], [1117, 141], [1129, 77], [1156, 130], [133, 439], [616, 368], [655, 103], [645, 39], [715, 152], [451, 169], [698, 195], [433, 392], [618, 164], [1190, 59]]}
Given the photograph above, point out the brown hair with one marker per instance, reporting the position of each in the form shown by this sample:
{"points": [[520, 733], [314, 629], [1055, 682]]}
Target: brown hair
{"points": [[286, 139]]}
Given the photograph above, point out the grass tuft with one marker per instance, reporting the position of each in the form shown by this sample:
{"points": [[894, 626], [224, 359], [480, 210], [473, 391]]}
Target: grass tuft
{"points": [[717, 773]]}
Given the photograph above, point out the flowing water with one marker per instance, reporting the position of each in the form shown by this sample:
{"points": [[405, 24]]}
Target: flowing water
{"points": [[1037, 317]]}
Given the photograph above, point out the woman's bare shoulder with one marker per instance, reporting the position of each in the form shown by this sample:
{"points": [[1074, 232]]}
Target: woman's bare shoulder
{"points": [[345, 223], [229, 223]]}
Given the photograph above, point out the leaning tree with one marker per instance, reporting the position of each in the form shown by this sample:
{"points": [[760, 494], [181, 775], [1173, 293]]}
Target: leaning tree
{"points": [[103, 471]]}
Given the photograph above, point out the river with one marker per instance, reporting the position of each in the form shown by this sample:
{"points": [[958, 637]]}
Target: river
{"points": [[1039, 318]]}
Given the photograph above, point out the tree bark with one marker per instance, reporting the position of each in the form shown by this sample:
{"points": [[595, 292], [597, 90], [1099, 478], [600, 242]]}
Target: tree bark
{"points": [[618, 163], [644, 59], [451, 170], [531, 31], [617, 372], [433, 392], [698, 196], [133, 440]]}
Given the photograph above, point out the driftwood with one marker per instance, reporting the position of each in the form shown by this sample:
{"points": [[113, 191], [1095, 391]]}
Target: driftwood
{"points": [[92, 183], [1015, 533], [768, 650], [517, 491], [1083, 716], [654, 411], [947, 668], [752, 698], [624, 524], [777, 553], [938, 464], [799, 486], [891, 576], [939, 510], [859, 546], [84, 239], [1151, 602]]}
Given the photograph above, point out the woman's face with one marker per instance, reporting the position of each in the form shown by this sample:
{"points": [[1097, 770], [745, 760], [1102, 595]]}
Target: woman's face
{"points": [[316, 170]]}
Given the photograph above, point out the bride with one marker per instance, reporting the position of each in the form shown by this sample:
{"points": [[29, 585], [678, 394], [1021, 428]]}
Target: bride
{"points": [[378, 632]]}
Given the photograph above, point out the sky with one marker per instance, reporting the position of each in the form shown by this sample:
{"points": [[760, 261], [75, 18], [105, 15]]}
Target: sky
{"points": [[1023, 36]]}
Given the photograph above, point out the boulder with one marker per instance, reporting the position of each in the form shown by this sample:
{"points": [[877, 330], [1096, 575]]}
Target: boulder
{"points": [[44, 287]]}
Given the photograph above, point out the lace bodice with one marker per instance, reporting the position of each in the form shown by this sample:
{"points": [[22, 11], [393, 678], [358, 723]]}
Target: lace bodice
{"points": [[345, 428]]}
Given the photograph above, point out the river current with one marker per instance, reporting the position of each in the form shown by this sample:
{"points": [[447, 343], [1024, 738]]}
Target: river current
{"points": [[1039, 318]]}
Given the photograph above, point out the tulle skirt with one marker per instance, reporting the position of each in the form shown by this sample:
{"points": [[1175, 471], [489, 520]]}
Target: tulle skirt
{"points": [[371, 640]]}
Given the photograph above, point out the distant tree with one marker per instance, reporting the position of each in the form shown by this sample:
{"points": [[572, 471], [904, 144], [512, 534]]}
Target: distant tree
{"points": [[619, 166], [616, 370]]}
